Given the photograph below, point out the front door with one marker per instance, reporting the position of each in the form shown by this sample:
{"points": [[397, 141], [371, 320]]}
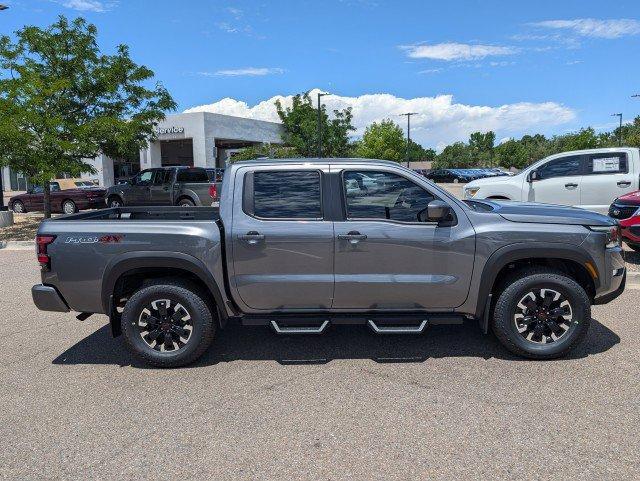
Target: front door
{"points": [[606, 177], [282, 246], [139, 193], [386, 258], [559, 182]]}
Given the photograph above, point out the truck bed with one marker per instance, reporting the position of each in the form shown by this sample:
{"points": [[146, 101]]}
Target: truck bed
{"points": [[163, 213]]}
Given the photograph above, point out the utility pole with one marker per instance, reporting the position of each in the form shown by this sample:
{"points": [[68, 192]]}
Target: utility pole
{"points": [[320, 94], [620, 129], [2, 206], [408, 115]]}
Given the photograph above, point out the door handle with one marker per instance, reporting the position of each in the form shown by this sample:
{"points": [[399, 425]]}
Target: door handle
{"points": [[624, 183], [252, 237], [571, 185], [353, 237]]}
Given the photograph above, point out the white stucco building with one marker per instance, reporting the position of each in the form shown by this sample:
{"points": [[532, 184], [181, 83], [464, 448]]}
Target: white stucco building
{"points": [[198, 139]]}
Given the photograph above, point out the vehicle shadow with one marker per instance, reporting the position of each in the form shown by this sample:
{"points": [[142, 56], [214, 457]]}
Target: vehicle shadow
{"points": [[339, 342]]}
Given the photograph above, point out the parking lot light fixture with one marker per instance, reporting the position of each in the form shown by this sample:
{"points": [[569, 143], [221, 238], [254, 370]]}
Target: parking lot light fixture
{"points": [[620, 130], [320, 95]]}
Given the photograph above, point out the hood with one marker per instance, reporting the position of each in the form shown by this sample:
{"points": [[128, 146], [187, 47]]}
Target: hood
{"points": [[548, 214], [629, 199]]}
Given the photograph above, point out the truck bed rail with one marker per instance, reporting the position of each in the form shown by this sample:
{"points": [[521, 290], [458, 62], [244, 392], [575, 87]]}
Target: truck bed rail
{"points": [[164, 213]]}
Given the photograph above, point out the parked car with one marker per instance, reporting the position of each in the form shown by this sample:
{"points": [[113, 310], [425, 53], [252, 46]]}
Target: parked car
{"points": [[279, 252], [590, 179], [183, 186], [626, 209], [452, 175], [66, 201]]}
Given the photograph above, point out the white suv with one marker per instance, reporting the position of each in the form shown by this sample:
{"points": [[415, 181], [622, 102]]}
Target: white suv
{"points": [[591, 179]]}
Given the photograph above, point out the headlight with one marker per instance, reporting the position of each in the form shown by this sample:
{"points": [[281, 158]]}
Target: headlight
{"points": [[471, 191], [613, 234]]}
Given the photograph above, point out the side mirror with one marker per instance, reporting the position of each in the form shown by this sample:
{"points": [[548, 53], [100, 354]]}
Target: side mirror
{"points": [[436, 211], [533, 176]]}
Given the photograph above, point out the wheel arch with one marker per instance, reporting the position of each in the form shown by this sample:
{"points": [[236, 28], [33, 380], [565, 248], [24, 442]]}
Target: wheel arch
{"points": [[129, 271], [573, 260]]}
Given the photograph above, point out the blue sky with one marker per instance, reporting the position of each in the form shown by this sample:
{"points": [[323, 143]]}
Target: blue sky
{"points": [[512, 66]]}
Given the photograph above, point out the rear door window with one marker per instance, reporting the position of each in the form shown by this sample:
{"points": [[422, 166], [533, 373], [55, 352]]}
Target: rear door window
{"points": [[614, 163], [285, 195]]}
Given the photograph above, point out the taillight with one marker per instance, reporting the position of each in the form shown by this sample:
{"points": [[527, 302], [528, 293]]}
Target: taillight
{"points": [[42, 241], [213, 191]]}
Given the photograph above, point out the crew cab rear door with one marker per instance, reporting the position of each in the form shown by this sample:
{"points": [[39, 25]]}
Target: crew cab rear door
{"points": [[385, 258], [282, 245], [606, 177]]}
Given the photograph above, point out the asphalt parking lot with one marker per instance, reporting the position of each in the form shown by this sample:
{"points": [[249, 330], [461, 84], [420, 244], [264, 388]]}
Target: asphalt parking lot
{"points": [[451, 404]]}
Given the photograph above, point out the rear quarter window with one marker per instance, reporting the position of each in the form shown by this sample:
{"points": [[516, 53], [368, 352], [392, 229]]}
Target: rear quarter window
{"points": [[192, 175], [615, 163]]}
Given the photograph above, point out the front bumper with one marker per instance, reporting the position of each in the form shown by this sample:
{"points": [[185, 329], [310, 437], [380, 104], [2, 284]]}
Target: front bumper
{"points": [[606, 298], [47, 298]]}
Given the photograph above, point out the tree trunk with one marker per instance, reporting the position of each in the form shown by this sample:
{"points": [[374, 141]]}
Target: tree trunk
{"points": [[47, 200]]}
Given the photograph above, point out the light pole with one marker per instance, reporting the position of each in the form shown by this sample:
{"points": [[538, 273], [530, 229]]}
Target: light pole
{"points": [[620, 129], [2, 206], [408, 115], [320, 94]]}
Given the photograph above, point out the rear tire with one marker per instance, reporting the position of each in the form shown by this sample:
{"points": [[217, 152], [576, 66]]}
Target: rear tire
{"points": [[528, 327], [635, 247], [69, 207], [168, 324], [186, 203]]}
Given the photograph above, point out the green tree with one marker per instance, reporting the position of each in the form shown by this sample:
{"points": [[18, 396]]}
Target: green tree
{"points": [[301, 127], [417, 153], [382, 140], [265, 150], [511, 153], [456, 155], [481, 146], [62, 101]]}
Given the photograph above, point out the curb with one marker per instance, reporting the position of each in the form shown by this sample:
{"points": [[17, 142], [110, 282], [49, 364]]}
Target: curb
{"points": [[17, 245], [633, 278]]}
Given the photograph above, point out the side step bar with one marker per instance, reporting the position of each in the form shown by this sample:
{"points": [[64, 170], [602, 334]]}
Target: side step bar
{"points": [[300, 329], [398, 329]]}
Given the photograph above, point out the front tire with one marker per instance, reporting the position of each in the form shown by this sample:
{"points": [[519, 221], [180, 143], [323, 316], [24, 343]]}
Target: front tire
{"points": [[18, 207], [167, 324], [541, 314], [115, 201]]}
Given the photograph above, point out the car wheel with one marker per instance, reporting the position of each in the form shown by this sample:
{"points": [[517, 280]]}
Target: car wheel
{"points": [[18, 207], [69, 207], [456, 181], [114, 201], [167, 324], [186, 203], [541, 314]]}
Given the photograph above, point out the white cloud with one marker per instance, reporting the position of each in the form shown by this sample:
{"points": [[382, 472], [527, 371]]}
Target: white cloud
{"points": [[593, 27], [440, 121], [243, 72], [87, 5], [456, 51]]}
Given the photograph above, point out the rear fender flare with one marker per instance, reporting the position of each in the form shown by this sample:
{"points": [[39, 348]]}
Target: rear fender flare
{"points": [[158, 259]]}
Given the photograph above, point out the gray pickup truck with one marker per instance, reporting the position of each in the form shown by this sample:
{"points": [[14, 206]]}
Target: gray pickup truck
{"points": [[302, 244], [183, 186]]}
